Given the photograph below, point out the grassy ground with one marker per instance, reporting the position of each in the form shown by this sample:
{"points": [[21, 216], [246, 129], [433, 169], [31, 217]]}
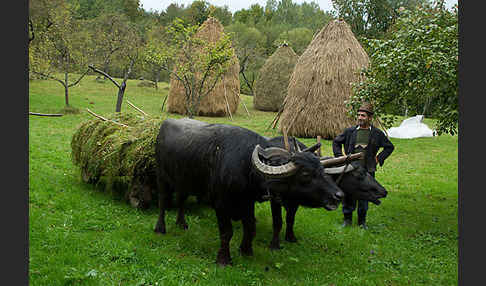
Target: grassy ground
{"points": [[80, 235]]}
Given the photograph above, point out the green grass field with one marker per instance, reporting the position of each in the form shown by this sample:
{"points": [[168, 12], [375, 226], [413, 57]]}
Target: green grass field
{"points": [[80, 235]]}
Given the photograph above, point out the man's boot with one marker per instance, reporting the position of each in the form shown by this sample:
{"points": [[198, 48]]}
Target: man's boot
{"points": [[348, 220], [362, 222]]}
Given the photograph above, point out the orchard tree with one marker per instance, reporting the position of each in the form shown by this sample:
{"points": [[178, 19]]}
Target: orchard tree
{"points": [[64, 47], [297, 38], [110, 34], [150, 57], [41, 19], [129, 55], [249, 45], [196, 63], [415, 67], [371, 18]]}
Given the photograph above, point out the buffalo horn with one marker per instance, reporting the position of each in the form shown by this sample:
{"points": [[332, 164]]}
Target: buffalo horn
{"points": [[285, 170], [312, 148], [340, 160], [339, 170]]}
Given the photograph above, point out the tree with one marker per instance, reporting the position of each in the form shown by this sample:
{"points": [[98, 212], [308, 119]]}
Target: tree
{"points": [[415, 67], [196, 63], [371, 18], [110, 33], [64, 47], [297, 38], [151, 60], [223, 14], [129, 54], [249, 47], [197, 12]]}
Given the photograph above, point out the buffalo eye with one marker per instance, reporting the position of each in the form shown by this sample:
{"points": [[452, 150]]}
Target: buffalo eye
{"points": [[305, 177]]}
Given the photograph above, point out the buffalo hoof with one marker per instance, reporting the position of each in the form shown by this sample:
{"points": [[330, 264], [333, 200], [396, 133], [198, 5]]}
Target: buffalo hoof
{"points": [[160, 230]]}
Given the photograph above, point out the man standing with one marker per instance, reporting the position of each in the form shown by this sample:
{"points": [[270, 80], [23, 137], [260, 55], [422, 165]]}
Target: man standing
{"points": [[368, 139]]}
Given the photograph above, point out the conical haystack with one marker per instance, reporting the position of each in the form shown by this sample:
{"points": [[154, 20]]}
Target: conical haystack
{"points": [[226, 93], [321, 82], [273, 80]]}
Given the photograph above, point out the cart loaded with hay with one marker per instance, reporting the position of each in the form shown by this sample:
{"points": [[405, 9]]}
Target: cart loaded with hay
{"points": [[117, 153]]}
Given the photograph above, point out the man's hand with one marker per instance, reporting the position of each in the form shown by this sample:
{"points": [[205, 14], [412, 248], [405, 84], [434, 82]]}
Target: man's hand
{"points": [[376, 159]]}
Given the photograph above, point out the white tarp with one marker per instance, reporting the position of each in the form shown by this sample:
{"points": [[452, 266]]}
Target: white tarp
{"points": [[411, 128]]}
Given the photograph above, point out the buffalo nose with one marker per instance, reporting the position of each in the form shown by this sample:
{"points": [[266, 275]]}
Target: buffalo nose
{"points": [[339, 195]]}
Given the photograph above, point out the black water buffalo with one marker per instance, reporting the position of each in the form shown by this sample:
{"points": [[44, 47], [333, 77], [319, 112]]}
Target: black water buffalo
{"points": [[352, 179], [234, 167]]}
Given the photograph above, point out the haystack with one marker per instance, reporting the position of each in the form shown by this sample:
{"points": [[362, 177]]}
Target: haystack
{"points": [[121, 158], [225, 97], [321, 83], [273, 80]]}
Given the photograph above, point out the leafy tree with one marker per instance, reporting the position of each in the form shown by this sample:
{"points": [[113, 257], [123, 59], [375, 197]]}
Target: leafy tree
{"points": [[223, 14], [90, 9], [249, 47], [298, 39], [312, 17], [64, 47], [110, 33], [197, 13], [286, 13], [198, 64], [172, 12], [129, 55], [253, 15], [415, 67], [371, 18], [151, 59]]}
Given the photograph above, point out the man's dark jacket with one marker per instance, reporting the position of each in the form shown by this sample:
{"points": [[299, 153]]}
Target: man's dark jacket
{"points": [[377, 140]]}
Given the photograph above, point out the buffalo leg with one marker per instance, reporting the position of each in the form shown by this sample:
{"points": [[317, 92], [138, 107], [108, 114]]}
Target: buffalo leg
{"points": [[289, 222], [181, 221], [165, 196], [225, 234], [276, 223], [249, 231]]}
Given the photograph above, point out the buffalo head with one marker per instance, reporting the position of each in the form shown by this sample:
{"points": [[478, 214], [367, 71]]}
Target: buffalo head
{"points": [[298, 177], [357, 182]]}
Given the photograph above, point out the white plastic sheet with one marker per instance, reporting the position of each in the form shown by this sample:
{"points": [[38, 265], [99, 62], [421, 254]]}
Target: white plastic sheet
{"points": [[411, 128]]}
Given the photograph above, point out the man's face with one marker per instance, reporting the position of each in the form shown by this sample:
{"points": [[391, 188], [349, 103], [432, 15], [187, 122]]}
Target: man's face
{"points": [[363, 119]]}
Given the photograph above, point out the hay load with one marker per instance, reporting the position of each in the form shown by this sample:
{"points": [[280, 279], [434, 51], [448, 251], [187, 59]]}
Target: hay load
{"points": [[321, 82], [273, 80], [120, 158], [225, 97]]}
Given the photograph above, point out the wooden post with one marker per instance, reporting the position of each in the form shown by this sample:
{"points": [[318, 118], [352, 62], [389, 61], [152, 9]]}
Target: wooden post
{"points": [[318, 151], [286, 139]]}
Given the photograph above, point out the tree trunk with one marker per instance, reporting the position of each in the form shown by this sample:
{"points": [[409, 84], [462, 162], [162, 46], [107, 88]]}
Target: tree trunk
{"points": [[157, 77], [121, 92], [66, 88]]}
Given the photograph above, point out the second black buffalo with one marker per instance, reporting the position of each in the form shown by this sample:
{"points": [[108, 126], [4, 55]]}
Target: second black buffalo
{"points": [[352, 178]]}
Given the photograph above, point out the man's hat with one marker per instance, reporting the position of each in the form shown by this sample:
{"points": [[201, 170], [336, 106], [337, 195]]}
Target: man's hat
{"points": [[367, 107]]}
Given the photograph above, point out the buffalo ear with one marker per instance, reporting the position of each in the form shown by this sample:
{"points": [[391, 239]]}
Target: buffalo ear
{"points": [[312, 148]]}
